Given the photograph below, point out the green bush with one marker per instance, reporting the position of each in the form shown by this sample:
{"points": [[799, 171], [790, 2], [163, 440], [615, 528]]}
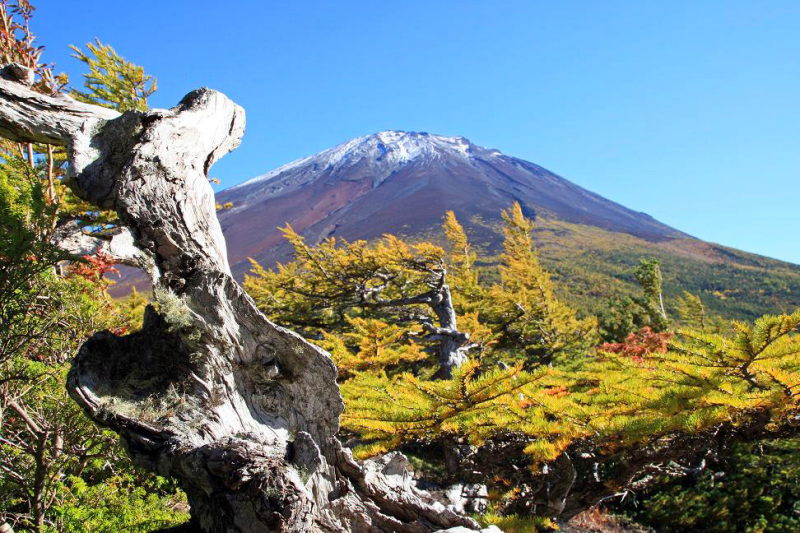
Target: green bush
{"points": [[120, 504], [756, 488]]}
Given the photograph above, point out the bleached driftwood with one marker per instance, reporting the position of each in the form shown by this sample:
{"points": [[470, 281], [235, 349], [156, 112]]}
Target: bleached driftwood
{"points": [[242, 412]]}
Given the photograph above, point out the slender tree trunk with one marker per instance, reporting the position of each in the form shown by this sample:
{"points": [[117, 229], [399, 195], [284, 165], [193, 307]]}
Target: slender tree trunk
{"points": [[38, 503], [51, 189], [39, 474]]}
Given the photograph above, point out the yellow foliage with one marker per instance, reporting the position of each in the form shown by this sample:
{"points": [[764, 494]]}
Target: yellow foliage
{"points": [[463, 276], [556, 389], [535, 325], [372, 345], [614, 399]]}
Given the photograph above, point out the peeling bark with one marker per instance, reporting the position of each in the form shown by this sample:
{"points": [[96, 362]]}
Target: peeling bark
{"points": [[242, 412]]}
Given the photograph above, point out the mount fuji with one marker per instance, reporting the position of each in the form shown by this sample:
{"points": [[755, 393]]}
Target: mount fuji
{"points": [[404, 182]]}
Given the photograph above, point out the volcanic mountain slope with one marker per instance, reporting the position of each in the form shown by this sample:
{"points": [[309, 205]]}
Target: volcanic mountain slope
{"points": [[403, 182], [396, 181]]}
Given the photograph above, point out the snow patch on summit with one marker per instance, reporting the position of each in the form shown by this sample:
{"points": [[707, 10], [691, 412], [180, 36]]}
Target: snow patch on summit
{"points": [[384, 153]]}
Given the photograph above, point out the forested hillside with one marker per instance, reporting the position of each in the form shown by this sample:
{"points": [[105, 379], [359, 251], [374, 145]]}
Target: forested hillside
{"points": [[592, 266], [731, 283]]}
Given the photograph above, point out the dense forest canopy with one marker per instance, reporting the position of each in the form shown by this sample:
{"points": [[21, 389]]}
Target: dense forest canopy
{"points": [[478, 374]]}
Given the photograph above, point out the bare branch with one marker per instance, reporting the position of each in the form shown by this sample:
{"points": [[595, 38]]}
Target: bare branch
{"points": [[31, 117]]}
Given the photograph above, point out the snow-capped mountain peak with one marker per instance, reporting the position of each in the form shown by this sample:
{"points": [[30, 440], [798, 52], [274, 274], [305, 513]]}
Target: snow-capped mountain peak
{"points": [[384, 153]]}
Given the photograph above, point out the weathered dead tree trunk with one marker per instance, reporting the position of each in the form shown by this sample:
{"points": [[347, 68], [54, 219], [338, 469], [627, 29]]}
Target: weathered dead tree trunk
{"points": [[242, 412], [452, 344]]}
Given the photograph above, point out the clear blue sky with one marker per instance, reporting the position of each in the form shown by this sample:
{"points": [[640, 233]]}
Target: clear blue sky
{"points": [[688, 111]]}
